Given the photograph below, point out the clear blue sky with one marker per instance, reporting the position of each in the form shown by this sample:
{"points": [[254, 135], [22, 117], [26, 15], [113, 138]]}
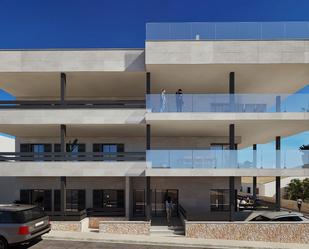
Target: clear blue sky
{"points": [[121, 23]]}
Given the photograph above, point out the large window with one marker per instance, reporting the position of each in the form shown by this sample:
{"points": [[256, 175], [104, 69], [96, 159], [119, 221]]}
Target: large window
{"points": [[219, 200], [108, 199], [39, 197], [75, 199], [36, 148], [110, 150]]}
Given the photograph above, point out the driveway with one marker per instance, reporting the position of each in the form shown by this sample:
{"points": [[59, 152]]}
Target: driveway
{"points": [[56, 244]]}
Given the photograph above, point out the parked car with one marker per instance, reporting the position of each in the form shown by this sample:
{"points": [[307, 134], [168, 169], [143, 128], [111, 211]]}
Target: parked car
{"points": [[21, 223], [276, 216]]}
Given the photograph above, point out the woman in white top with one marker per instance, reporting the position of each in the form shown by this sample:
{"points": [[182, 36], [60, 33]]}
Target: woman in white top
{"points": [[163, 100]]}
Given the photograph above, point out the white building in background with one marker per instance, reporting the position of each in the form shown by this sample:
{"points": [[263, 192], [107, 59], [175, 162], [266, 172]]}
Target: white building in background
{"points": [[267, 186], [7, 144], [95, 134]]}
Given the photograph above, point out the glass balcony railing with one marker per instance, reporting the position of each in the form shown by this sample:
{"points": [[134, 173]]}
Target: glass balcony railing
{"points": [[228, 31], [221, 159], [228, 103]]}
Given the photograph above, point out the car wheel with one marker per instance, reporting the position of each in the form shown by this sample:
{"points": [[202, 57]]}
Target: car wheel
{"points": [[3, 243]]}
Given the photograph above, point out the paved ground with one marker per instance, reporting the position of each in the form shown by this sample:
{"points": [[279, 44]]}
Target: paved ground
{"points": [[53, 244]]}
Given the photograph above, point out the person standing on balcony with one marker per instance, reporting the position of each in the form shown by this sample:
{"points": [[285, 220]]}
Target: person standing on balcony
{"points": [[168, 208], [163, 100], [179, 100]]}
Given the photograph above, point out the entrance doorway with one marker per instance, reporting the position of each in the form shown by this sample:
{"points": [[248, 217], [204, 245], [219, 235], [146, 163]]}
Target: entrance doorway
{"points": [[159, 196]]}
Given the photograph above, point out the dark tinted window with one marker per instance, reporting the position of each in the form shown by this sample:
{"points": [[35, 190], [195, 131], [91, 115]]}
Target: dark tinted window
{"points": [[260, 218], [108, 198], [57, 200], [288, 218]]}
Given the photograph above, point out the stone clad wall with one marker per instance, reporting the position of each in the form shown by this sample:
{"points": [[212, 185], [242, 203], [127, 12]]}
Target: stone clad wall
{"points": [[125, 227], [72, 226], [284, 232], [95, 221]]}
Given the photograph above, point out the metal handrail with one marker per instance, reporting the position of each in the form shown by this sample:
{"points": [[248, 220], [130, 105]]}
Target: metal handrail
{"points": [[57, 104], [73, 156], [182, 211]]}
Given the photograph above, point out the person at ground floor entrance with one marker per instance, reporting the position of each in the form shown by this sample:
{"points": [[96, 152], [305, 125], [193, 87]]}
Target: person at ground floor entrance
{"points": [[168, 208]]}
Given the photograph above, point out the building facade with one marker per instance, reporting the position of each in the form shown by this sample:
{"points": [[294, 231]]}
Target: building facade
{"points": [[107, 132]]}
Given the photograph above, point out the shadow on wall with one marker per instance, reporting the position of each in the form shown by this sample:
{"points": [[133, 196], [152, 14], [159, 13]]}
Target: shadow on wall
{"points": [[135, 63]]}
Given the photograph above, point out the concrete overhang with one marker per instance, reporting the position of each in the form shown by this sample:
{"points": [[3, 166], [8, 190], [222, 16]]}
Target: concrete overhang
{"points": [[72, 116], [253, 128], [73, 60], [226, 52], [73, 169], [204, 66], [227, 172]]}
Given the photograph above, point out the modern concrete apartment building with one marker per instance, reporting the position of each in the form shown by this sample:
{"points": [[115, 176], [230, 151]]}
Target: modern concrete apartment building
{"points": [[95, 132]]}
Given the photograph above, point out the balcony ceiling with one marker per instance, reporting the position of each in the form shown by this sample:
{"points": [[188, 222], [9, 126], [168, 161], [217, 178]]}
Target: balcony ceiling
{"points": [[250, 131], [249, 78], [79, 84], [74, 131]]}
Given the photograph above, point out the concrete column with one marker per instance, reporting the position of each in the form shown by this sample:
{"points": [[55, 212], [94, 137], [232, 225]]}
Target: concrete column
{"points": [[278, 152], [63, 184], [232, 136], [148, 137], [254, 177], [62, 138], [148, 198], [148, 85], [278, 193], [254, 187], [254, 155], [63, 83], [232, 83], [232, 91], [148, 190], [128, 198], [232, 197]]}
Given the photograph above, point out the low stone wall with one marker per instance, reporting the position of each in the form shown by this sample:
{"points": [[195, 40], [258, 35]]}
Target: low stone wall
{"points": [[284, 232], [72, 226], [95, 221], [125, 227]]}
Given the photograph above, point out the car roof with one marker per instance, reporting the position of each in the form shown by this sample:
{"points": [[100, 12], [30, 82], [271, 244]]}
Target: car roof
{"points": [[15, 207]]}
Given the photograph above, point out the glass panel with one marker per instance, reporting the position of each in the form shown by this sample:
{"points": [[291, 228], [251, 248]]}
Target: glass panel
{"points": [[243, 158], [228, 31], [228, 103]]}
